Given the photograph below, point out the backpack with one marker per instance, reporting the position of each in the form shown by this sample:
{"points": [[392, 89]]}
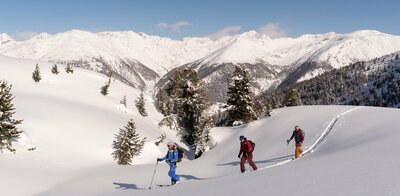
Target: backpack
{"points": [[253, 145], [181, 154], [303, 133]]}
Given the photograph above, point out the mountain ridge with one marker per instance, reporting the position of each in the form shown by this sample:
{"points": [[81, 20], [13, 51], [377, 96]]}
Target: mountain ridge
{"points": [[131, 55]]}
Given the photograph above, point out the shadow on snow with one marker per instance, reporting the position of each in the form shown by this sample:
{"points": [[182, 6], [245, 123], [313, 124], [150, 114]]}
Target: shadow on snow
{"points": [[234, 163], [126, 186]]}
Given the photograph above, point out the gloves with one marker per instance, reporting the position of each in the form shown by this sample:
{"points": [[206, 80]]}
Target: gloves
{"points": [[159, 159], [239, 156], [287, 141]]}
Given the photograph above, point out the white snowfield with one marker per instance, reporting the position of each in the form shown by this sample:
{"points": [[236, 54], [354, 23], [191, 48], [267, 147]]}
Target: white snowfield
{"points": [[354, 149]]}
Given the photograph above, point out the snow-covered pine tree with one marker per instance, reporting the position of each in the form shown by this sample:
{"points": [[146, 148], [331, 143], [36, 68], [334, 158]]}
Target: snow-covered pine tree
{"points": [[36, 74], [123, 101], [189, 97], [141, 105], [160, 139], [8, 129], [240, 98], [69, 69], [202, 131], [161, 103], [127, 144], [54, 69], [292, 98], [104, 89]]}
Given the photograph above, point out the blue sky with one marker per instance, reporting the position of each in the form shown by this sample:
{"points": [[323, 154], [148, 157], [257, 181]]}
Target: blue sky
{"points": [[180, 18]]}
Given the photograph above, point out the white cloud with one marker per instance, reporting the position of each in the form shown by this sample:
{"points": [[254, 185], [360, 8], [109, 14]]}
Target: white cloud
{"points": [[228, 31], [272, 30], [24, 35], [175, 27]]}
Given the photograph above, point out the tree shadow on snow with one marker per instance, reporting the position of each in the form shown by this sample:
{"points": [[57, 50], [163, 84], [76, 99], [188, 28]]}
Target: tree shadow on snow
{"points": [[125, 186], [277, 159]]}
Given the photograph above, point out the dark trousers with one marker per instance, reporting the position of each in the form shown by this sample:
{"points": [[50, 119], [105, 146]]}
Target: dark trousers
{"points": [[249, 158]]}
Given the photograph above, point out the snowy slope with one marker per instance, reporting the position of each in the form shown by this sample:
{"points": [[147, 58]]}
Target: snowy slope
{"points": [[70, 124], [340, 165], [61, 108]]}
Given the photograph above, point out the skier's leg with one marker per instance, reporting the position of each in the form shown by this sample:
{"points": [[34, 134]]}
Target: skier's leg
{"points": [[297, 151], [251, 162], [242, 161], [301, 150], [172, 173]]}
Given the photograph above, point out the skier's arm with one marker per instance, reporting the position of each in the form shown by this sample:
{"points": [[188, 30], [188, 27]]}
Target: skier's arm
{"points": [[241, 151], [291, 137], [165, 157]]}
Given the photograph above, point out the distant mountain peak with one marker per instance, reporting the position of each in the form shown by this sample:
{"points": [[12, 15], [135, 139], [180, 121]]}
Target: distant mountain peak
{"points": [[4, 37], [40, 36]]}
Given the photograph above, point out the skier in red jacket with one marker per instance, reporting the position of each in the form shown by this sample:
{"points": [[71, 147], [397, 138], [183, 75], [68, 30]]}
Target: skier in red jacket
{"points": [[246, 153]]}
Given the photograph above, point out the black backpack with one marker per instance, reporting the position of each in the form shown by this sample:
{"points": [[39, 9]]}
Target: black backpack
{"points": [[253, 144], [181, 154]]}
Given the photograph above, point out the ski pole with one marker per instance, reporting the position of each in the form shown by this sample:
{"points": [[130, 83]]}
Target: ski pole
{"points": [[287, 149], [154, 173]]}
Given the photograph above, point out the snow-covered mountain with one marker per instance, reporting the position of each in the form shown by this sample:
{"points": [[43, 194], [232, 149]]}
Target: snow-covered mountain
{"points": [[135, 58], [6, 40], [285, 61], [140, 60], [372, 83]]}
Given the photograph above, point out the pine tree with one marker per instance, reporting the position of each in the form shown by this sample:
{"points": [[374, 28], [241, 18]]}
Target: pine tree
{"points": [[161, 103], [8, 129], [69, 69], [54, 69], [123, 101], [201, 134], [189, 100], [240, 98], [140, 104], [292, 98], [104, 89], [36, 74], [127, 144], [160, 139]]}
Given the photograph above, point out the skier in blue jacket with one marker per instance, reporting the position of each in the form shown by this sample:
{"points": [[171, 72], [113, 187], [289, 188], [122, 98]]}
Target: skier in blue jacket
{"points": [[171, 158]]}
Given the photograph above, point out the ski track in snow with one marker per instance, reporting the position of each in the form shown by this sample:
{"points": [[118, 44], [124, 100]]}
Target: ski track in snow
{"points": [[322, 138], [313, 147]]}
